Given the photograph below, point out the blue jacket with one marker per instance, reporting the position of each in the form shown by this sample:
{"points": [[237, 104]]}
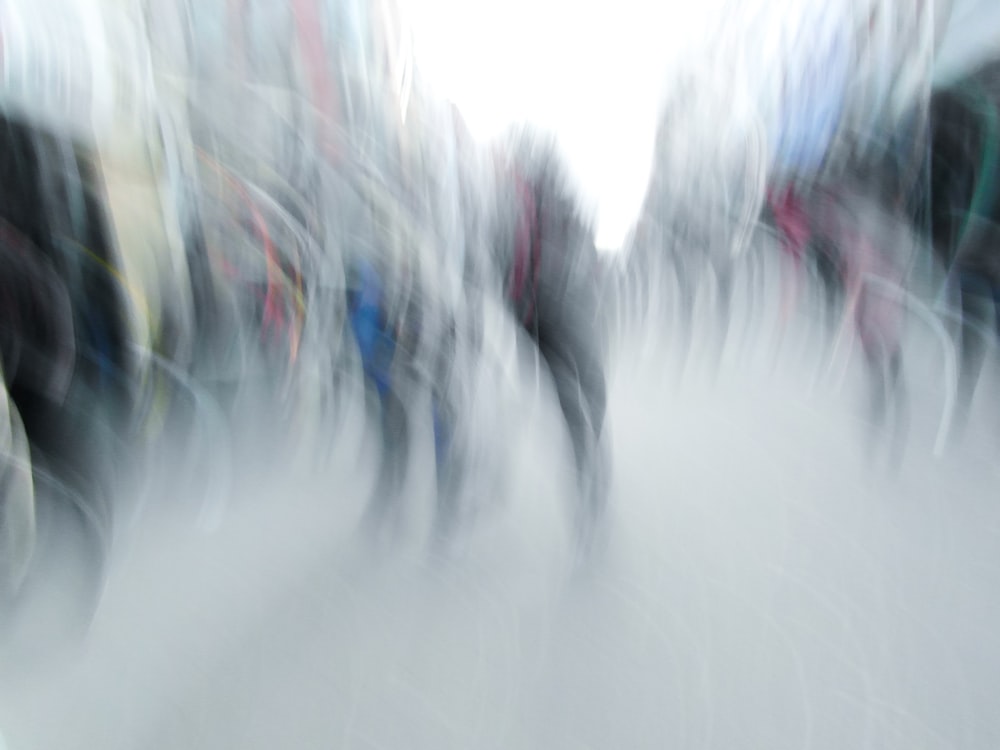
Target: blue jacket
{"points": [[371, 329]]}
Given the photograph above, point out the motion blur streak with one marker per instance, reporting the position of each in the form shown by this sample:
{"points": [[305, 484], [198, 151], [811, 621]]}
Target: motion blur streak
{"points": [[413, 373]]}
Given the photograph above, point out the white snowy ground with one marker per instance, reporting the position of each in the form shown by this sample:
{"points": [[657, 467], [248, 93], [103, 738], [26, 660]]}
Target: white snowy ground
{"points": [[764, 589]]}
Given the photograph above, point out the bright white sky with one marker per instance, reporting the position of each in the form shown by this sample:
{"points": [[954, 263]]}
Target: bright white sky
{"points": [[595, 79]]}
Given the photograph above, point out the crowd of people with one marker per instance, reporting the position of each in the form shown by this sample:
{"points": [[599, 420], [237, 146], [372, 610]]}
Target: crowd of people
{"points": [[290, 217]]}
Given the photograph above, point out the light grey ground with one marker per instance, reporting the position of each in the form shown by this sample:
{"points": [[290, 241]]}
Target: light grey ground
{"points": [[764, 588]]}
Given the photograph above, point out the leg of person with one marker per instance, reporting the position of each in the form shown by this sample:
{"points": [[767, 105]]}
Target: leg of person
{"points": [[878, 329], [393, 462], [900, 407], [831, 283], [878, 396], [687, 293], [451, 464], [17, 503], [581, 389], [794, 233], [448, 462], [723, 305], [976, 304]]}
